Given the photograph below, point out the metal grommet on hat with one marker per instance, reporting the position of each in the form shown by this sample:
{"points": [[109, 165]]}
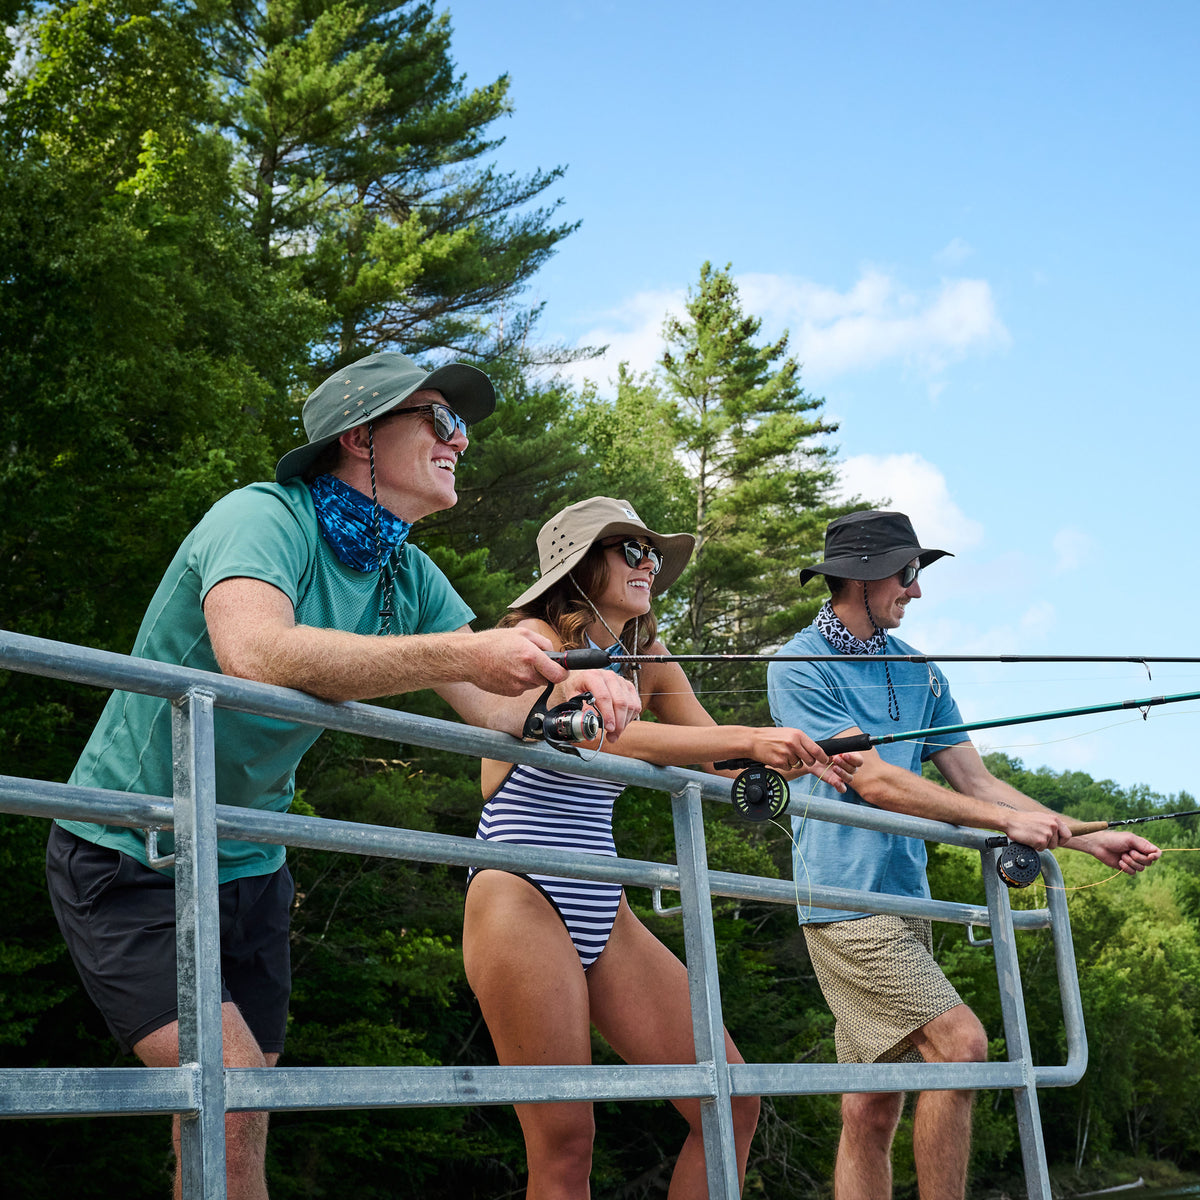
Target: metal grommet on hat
{"points": [[870, 545]]}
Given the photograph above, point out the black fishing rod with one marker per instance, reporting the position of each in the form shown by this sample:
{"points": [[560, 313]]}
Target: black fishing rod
{"points": [[588, 659]]}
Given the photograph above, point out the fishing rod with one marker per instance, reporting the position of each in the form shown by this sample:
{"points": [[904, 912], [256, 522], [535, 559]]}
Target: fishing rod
{"points": [[1019, 865], [866, 741], [589, 658], [760, 793]]}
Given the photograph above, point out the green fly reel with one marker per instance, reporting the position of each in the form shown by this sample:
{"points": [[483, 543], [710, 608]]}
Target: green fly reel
{"points": [[758, 792]]}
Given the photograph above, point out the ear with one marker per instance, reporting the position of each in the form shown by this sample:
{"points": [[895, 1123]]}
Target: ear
{"points": [[356, 442]]}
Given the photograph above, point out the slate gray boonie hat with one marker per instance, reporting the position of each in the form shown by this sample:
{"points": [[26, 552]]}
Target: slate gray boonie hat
{"points": [[870, 545], [373, 386], [569, 535]]}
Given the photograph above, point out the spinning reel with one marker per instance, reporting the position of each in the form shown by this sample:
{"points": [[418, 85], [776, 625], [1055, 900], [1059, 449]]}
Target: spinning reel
{"points": [[566, 723], [758, 793], [1018, 865]]}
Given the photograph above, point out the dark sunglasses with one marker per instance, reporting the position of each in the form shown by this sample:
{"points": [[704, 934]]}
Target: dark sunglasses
{"points": [[446, 422], [908, 575], [635, 550]]}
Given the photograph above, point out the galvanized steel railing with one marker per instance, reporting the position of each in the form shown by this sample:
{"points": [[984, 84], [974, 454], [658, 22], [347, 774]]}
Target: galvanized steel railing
{"points": [[201, 1090]]}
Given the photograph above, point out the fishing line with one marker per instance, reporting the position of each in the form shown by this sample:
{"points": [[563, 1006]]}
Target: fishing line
{"points": [[583, 659], [1079, 887]]}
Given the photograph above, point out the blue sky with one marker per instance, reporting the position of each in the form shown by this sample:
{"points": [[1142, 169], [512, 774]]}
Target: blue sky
{"points": [[979, 224]]}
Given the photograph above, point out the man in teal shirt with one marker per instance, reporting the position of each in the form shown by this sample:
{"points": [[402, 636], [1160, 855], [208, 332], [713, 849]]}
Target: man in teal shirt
{"points": [[308, 582]]}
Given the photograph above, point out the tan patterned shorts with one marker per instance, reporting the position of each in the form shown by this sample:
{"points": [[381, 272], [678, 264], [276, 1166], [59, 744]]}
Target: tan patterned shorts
{"points": [[881, 981]]}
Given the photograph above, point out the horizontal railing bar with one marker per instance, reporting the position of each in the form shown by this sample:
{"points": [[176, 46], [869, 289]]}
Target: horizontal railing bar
{"points": [[44, 799], [283, 1088], [91, 1091], [103, 668], [788, 1079], [130, 1091]]}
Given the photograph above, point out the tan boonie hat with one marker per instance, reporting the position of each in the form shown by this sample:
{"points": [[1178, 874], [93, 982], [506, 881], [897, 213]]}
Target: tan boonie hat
{"points": [[373, 386], [570, 534]]}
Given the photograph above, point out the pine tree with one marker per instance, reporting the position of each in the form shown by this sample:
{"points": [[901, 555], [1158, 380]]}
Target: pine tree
{"points": [[362, 163], [761, 476]]}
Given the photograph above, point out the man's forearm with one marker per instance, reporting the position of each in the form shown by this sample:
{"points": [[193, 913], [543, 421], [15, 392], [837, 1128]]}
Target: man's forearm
{"points": [[347, 666]]}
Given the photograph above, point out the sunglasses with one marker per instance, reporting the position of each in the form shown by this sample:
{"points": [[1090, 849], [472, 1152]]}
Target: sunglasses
{"points": [[908, 575], [635, 550], [446, 422]]}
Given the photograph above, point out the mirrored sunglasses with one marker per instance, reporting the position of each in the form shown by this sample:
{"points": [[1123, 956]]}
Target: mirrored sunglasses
{"points": [[908, 575], [446, 422], [635, 550]]}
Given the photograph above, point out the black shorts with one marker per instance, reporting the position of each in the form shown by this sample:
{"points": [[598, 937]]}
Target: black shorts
{"points": [[118, 919]]}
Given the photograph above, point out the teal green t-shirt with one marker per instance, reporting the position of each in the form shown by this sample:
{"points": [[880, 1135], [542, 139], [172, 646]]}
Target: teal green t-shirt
{"points": [[266, 531]]}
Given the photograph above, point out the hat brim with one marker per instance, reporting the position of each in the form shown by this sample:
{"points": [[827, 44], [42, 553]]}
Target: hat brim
{"points": [[676, 551], [878, 566], [466, 389]]}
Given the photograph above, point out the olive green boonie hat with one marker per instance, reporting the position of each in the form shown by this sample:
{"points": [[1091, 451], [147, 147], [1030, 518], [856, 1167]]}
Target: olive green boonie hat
{"points": [[564, 540], [373, 386]]}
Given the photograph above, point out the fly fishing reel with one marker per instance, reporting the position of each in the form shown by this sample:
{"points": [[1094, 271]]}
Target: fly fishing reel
{"points": [[758, 792], [1017, 864]]}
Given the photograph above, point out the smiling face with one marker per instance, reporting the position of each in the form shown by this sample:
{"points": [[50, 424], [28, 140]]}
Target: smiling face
{"points": [[620, 592], [414, 468], [889, 598]]}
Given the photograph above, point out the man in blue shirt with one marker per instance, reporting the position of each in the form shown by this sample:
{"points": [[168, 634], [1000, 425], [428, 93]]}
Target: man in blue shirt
{"points": [[891, 1001], [306, 582]]}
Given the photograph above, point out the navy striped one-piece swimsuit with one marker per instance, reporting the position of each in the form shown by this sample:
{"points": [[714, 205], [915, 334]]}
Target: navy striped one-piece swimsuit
{"points": [[533, 807]]}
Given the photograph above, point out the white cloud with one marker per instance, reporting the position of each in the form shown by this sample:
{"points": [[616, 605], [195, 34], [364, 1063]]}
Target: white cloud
{"points": [[914, 486], [877, 320], [632, 333], [954, 253], [1072, 549]]}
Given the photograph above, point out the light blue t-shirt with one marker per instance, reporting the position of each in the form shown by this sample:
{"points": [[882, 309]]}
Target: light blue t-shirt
{"points": [[824, 699], [266, 531]]}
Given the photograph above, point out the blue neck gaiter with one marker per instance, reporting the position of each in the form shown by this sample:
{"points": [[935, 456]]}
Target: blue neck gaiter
{"points": [[347, 521]]}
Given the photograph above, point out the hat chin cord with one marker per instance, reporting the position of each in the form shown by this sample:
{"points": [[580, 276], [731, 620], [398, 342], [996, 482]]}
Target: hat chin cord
{"points": [[385, 613], [615, 638], [893, 702]]}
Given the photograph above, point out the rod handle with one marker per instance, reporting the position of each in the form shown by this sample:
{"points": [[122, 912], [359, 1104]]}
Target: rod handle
{"points": [[856, 741], [581, 660], [1086, 826]]}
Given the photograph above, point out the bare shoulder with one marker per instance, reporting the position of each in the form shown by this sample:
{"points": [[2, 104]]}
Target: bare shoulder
{"points": [[537, 625]]}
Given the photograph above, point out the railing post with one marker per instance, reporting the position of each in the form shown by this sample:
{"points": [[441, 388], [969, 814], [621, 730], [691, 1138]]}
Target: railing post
{"points": [[708, 1026], [202, 1133], [1016, 1030]]}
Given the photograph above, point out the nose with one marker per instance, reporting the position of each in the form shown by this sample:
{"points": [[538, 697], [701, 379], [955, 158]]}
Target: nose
{"points": [[914, 590], [459, 441]]}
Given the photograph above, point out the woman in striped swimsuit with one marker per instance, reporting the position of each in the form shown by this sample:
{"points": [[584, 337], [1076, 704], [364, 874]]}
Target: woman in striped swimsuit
{"points": [[548, 957]]}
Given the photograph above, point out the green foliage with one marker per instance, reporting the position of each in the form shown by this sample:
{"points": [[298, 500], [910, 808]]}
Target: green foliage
{"points": [[1137, 947], [728, 444], [202, 206], [360, 161], [147, 352]]}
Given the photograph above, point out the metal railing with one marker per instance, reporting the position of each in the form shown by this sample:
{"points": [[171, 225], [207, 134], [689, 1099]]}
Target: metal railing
{"points": [[202, 1090]]}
